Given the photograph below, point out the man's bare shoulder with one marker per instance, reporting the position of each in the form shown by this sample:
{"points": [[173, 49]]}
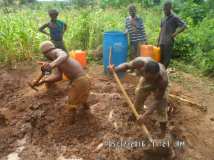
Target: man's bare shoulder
{"points": [[60, 52], [141, 60]]}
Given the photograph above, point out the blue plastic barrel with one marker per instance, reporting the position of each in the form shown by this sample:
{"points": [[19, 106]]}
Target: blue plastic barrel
{"points": [[119, 43]]}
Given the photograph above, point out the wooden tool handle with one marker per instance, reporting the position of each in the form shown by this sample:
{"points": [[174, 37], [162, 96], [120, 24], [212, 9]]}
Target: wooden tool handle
{"points": [[38, 79], [131, 105]]}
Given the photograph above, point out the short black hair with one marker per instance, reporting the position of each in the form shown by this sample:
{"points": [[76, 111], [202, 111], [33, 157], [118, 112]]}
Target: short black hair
{"points": [[132, 7], [53, 11], [152, 67], [168, 3]]}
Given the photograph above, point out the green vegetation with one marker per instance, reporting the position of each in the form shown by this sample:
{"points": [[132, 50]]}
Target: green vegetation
{"points": [[19, 36]]}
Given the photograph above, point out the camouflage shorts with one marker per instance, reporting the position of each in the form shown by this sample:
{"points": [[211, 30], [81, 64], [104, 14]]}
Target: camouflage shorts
{"points": [[143, 90]]}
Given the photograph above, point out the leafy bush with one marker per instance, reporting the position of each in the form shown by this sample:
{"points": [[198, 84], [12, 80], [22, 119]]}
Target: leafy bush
{"points": [[194, 46], [19, 36], [117, 3], [83, 3]]}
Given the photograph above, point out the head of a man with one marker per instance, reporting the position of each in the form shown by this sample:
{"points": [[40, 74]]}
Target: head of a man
{"points": [[132, 10], [151, 70], [167, 8], [46, 47], [53, 13]]}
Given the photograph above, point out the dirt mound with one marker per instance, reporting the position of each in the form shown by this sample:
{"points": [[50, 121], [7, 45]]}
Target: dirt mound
{"points": [[37, 125]]}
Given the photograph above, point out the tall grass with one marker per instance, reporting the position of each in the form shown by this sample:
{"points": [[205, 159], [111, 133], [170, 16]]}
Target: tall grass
{"points": [[19, 36]]}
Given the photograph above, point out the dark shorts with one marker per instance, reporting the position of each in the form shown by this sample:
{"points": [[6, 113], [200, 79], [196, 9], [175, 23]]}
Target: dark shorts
{"points": [[60, 45], [135, 49], [143, 90]]}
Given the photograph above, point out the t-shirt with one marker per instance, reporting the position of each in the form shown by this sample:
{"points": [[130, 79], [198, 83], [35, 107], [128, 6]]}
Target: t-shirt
{"points": [[169, 25], [137, 34], [56, 30]]}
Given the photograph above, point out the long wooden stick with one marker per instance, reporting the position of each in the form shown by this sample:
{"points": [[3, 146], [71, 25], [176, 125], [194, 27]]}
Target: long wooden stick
{"points": [[187, 101], [32, 85], [131, 105]]}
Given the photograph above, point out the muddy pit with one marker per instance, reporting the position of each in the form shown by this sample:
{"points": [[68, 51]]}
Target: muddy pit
{"points": [[37, 125]]}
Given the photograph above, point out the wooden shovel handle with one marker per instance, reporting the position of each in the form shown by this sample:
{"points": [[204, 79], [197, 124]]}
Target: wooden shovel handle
{"points": [[131, 105]]}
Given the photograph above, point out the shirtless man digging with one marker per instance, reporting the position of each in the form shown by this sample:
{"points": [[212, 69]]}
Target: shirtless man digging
{"points": [[153, 79], [79, 88]]}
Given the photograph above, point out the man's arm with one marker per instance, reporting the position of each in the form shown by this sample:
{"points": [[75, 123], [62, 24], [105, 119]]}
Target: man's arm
{"points": [[42, 29], [53, 78], [124, 67], [65, 27], [181, 26], [159, 98], [61, 57], [179, 30], [134, 64], [126, 26], [158, 40]]}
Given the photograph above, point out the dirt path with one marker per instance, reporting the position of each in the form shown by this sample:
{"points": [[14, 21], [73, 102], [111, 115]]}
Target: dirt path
{"points": [[36, 125]]}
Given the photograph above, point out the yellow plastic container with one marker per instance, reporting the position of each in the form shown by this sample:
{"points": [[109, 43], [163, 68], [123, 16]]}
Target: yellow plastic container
{"points": [[156, 53], [80, 56], [146, 50], [150, 51]]}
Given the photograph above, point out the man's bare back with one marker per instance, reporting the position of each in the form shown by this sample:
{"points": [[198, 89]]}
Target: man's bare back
{"points": [[70, 67], [138, 64]]}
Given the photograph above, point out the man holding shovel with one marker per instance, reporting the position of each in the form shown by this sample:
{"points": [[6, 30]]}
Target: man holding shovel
{"points": [[79, 88], [153, 79]]}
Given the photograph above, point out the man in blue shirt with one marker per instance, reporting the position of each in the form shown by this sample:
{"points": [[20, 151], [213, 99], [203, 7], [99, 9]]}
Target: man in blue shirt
{"points": [[56, 29], [135, 28]]}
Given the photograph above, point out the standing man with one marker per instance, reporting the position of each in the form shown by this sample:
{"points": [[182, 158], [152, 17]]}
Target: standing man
{"points": [[57, 29], [171, 26], [135, 28]]}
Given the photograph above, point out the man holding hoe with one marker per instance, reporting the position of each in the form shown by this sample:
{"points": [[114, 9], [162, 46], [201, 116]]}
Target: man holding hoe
{"points": [[79, 88], [153, 79]]}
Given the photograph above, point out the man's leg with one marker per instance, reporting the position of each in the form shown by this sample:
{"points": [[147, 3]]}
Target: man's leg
{"points": [[72, 109], [133, 50], [162, 116], [60, 45], [166, 54], [141, 93], [168, 51], [138, 47]]}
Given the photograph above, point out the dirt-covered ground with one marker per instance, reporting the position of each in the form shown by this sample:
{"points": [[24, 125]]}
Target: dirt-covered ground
{"points": [[37, 125]]}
